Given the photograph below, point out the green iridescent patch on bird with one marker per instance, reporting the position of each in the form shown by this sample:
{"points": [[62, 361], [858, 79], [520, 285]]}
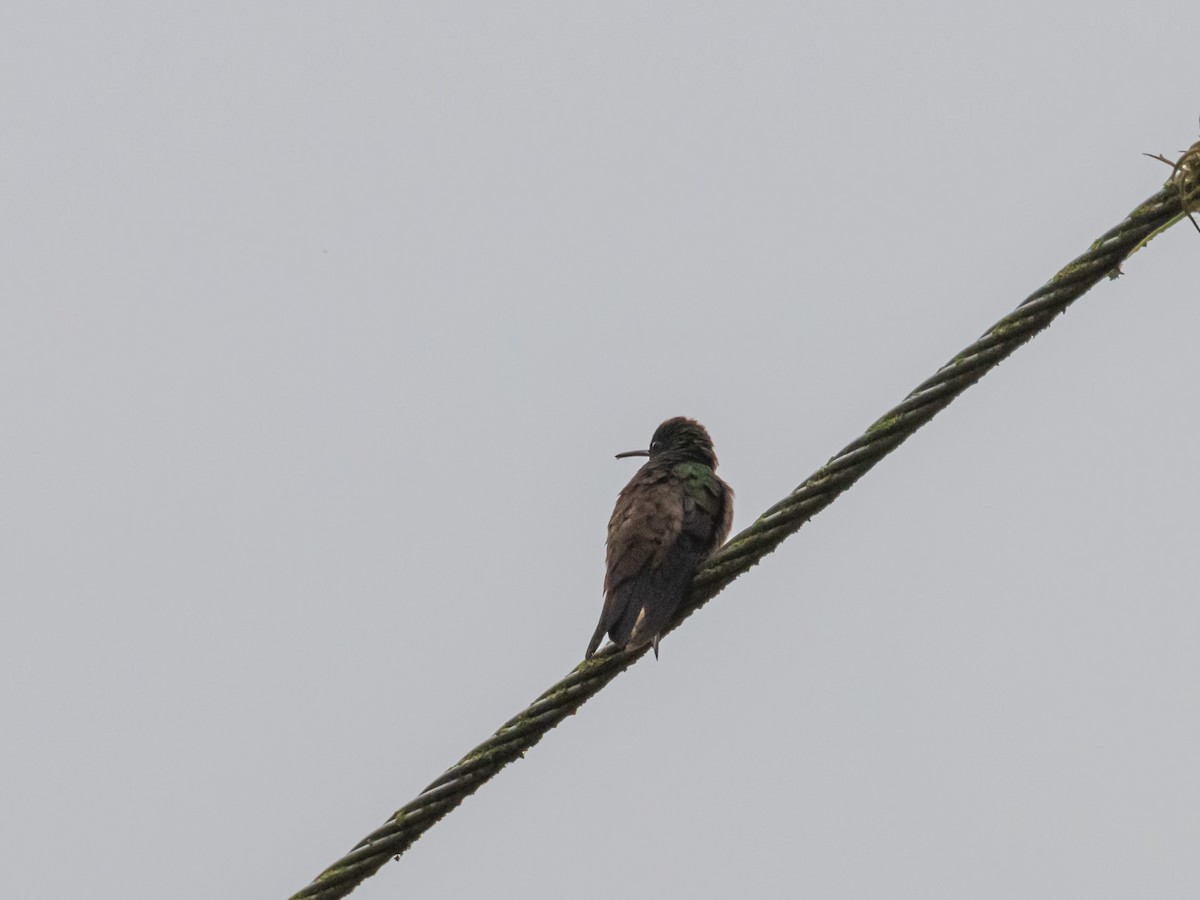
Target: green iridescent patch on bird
{"points": [[697, 474]]}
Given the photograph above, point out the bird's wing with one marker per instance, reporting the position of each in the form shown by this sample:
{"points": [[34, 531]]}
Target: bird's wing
{"points": [[644, 526], [708, 508], [724, 521]]}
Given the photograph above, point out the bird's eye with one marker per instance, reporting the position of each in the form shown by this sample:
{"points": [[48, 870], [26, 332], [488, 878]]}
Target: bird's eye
{"points": [[656, 446]]}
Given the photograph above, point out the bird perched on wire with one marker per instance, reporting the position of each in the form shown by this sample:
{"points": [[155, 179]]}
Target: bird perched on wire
{"points": [[673, 513]]}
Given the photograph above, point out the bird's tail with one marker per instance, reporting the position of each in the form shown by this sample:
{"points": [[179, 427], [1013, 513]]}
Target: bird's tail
{"points": [[596, 638]]}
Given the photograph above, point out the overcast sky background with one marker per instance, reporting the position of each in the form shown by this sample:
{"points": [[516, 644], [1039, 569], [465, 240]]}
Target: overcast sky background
{"points": [[322, 323]]}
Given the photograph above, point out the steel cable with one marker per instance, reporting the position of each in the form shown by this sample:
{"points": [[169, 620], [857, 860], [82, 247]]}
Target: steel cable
{"points": [[744, 550]]}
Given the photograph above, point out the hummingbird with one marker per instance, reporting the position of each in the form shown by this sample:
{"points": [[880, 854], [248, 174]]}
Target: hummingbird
{"points": [[670, 517]]}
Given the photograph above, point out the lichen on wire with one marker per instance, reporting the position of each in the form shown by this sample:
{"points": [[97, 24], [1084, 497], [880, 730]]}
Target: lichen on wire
{"points": [[744, 550]]}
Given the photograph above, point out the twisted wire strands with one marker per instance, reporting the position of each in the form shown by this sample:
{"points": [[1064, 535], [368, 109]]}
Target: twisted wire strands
{"points": [[524, 730]]}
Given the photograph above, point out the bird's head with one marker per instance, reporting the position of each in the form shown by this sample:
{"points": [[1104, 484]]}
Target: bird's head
{"points": [[682, 439]]}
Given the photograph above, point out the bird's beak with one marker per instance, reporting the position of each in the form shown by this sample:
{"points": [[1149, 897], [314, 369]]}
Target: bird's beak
{"points": [[633, 453]]}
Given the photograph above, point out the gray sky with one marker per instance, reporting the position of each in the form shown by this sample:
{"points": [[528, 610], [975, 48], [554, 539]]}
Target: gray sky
{"points": [[322, 323]]}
